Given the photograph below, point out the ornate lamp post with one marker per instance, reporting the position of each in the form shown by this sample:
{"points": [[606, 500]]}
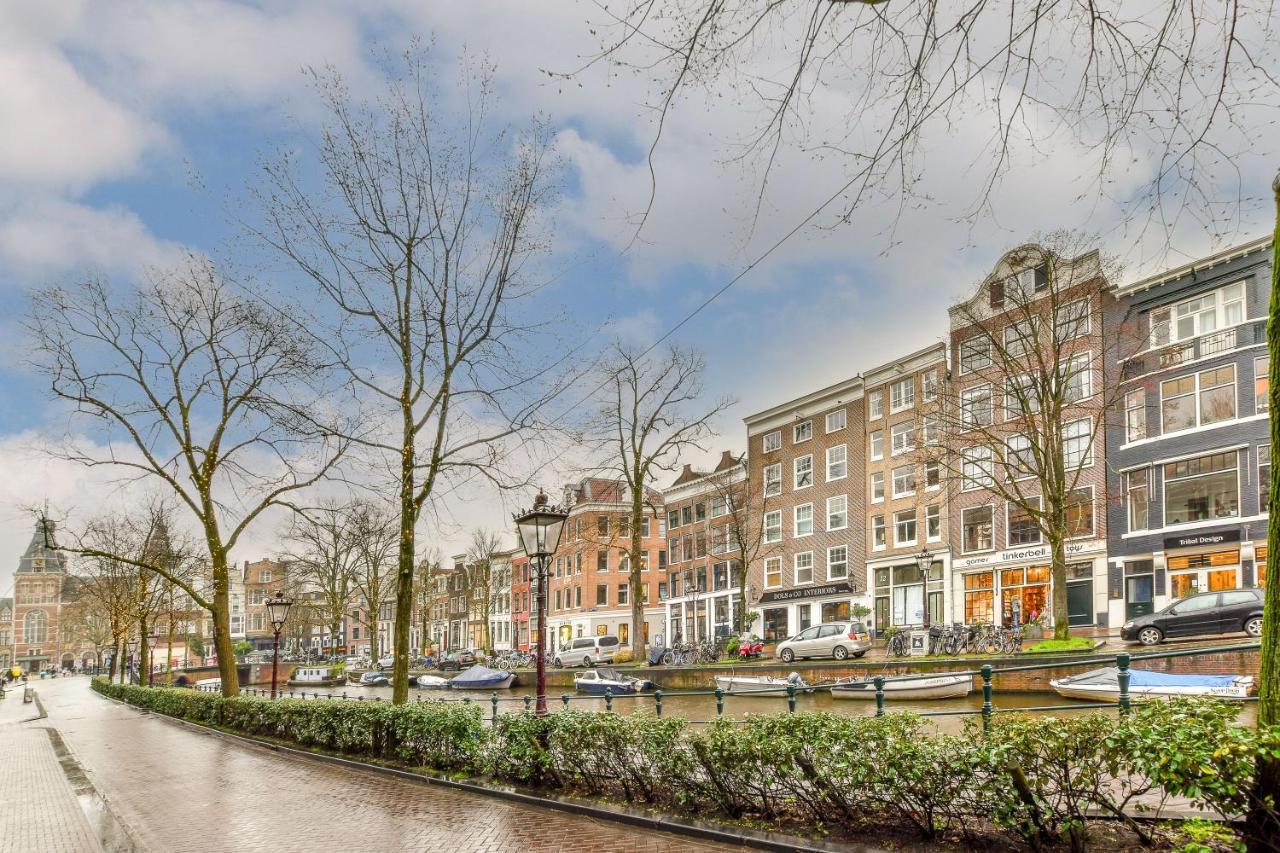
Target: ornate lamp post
{"points": [[133, 649], [925, 561], [277, 611], [540, 530]]}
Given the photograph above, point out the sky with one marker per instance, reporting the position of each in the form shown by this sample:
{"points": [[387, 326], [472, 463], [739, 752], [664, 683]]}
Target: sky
{"points": [[133, 130]]}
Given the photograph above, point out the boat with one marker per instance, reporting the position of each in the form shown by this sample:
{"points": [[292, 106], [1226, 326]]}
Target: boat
{"points": [[431, 682], [317, 676], [937, 687], [374, 679], [762, 685], [604, 680], [482, 678], [209, 685], [1104, 684]]}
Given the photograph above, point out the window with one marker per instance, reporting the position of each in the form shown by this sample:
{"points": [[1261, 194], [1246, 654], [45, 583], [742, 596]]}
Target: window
{"points": [[975, 407], [700, 512], [804, 567], [930, 429], [902, 394], [1200, 315], [35, 627], [1024, 528], [1019, 337], [975, 468], [773, 441], [673, 519], [1135, 415], [772, 480], [1018, 458], [933, 522], [802, 431], [1021, 397], [838, 562], [877, 487], [876, 440], [623, 593], [1264, 478], [877, 532], [904, 481], [975, 354], [266, 576], [602, 594], [602, 525], [1201, 489], [686, 512], [773, 572], [838, 512], [1201, 398], [644, 527], [933, 475], [1073, 320], [837, 466], [1077, 443], [602, 560], [1137, 497], [1078, 509], [929, 386], [773, 526], [719, 506], [904, 527], [975, 524], [803, 472], [838, 419], [1261, 383], [1079, 379], [803, 520], [875, 404], [903, 438]]}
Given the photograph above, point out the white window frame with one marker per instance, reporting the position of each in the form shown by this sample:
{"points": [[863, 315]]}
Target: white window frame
{"points": [[1164, 490], [1135, 404], [1018, 345], [1086, 372], [877, 484], [911, 474], [1093, 510], [875, 443], [772, 441], [843, 462], [875, 404], [933, 512], [773, 568], [802, 432], [978, 345], [842, 417], [975, 456], [967, 396], [964, 550], [1127, 490], [877, 523], [844, 562], [1087, 460], [1169, 315], [773, 485], [902, 395], [1012, 469], [930, 425], [1263, 404], [795, 569], [906, 430], [937, 466], [1008, 513], [796, 472], [915, 526], [929, 386], [1012, 409], [1196, 393], [1064, 313], [843, 512], [776, 528], [795, 520]]}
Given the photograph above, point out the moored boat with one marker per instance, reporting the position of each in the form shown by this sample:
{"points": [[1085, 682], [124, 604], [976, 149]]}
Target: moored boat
{"points": [[374, 679], [938, 687], [482, 678], [431, 682], [604, 680], [761, 685], [317, 676], [1104, 684]]}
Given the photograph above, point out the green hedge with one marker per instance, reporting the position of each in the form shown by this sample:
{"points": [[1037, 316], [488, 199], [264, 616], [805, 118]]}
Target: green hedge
{"points": [[1039, 779]]}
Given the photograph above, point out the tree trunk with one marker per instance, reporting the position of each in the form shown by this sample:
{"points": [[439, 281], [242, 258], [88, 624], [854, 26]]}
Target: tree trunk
{"points": [[115, 658], [404, 570], [1261, 823], [1058, 575], [222, 646], [740, 609], [637, 579], [144, 667]]}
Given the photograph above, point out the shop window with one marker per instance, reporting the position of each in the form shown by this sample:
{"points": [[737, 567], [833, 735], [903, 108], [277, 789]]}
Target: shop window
{"points": [[1135, 415], [775, 624], [1200, 489], [835, 611], [1024, 526], [804, 616], [976, 528], [979, 598], [1260, 565]]}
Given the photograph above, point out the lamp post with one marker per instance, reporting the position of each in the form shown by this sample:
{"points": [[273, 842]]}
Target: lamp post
{"points": [[277, 611], [540, 530], [133, 648], [925, 561]]}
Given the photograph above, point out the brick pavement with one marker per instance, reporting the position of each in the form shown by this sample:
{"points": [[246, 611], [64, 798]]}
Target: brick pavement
{"points": [[180, 790], [39, 810]]}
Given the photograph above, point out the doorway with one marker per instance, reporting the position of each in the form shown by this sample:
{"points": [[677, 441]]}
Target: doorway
{"points": [[1080, 603], [1139, 596]]}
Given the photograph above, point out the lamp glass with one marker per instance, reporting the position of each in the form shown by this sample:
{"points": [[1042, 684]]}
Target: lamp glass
{"points": [[278, 609], [540, 530]]}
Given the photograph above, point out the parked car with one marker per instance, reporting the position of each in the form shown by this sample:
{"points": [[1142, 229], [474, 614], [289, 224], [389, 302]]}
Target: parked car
{"points": [[588, 651], [459, 659], [1222, 612], [386, 662], [838, 640]]}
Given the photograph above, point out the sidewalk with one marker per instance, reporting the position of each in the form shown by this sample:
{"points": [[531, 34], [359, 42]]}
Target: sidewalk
{"points": [[40, 807], [13, 710]]}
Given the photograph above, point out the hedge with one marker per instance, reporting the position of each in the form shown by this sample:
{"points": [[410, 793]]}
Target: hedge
{"points": [[1039, 779]]}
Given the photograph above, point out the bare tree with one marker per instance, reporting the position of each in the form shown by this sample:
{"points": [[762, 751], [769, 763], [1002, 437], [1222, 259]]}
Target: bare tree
{"points": [[482, 554], [87, 619], [745, 505], [375, 536], [422, 242], [1022, 417], [652, 414], [324, 555], [188, 387], [424, 593]]}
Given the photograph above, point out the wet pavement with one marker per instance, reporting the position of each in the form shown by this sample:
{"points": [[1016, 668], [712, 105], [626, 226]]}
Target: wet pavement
{"points": [[129, 781]]}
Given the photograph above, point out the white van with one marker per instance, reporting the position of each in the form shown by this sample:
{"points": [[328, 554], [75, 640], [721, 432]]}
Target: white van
{"points": [[588, 651]]}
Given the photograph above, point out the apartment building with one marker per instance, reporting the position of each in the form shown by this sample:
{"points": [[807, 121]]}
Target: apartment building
{"points": [[500, 600], [807, 458], [522, 624], [589, 589], [1024, 321], [705, 509], [1190, 452], [262, 579], [905, 493]]}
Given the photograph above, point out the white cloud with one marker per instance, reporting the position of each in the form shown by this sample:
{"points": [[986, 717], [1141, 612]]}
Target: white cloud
{"points": [[58, 236]]}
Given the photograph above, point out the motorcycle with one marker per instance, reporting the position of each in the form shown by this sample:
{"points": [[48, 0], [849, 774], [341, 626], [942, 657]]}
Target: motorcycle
{"points": [[750, 648]]}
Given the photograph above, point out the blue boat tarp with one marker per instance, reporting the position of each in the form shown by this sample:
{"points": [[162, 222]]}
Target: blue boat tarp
{"points": [[477, 676], [1147, 678]]}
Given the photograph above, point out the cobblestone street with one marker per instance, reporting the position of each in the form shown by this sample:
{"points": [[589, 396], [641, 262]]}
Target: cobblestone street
{"points": [[169, 788]]}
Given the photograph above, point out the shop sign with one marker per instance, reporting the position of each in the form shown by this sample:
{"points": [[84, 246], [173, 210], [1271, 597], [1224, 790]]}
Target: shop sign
{"points": [[1197, 540], [842, 588], [1020, 555]]}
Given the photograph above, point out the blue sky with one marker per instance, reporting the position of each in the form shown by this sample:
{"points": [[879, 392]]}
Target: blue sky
{"points": [[131, 130]]}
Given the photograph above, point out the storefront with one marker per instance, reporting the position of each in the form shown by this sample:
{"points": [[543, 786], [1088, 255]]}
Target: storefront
{"points": [[703, 617], [786, 612], [900, 593], [1190, 564], [1015, 587]]}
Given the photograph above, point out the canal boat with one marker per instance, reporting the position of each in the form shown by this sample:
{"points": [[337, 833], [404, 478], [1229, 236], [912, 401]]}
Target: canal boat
{"points": [[317, 676], [482, 678], [605, 680], [1104, 685], [431, 682], [374, 679], [762, 685], [938, 687]]}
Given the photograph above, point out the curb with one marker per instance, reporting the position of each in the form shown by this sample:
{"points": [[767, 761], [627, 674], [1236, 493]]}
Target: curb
{"points": [[620, 814]]}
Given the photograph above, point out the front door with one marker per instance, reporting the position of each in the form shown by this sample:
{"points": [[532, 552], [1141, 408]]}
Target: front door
{"points": [[1139, 596], [1080, 603]]}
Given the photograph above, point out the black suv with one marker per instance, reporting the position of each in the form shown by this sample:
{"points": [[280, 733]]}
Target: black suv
{"points": [[1209, 613]]}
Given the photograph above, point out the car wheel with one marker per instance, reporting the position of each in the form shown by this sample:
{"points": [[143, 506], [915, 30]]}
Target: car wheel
{"points": [[558, 664], [840, 653], [860, 654], [586, 661], [1253, 626], [787, 656], [1150, 636]]}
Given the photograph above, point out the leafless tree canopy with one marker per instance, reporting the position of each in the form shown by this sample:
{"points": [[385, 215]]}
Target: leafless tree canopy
{"points": [[375, 534], [323, 557], [1178, 83], [482, 555]]}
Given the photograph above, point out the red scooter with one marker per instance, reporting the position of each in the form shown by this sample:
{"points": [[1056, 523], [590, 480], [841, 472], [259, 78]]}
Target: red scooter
{"points": [[750, 648]]}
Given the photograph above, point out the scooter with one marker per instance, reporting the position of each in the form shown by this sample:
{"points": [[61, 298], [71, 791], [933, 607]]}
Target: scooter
{"points": [[750, 648]]}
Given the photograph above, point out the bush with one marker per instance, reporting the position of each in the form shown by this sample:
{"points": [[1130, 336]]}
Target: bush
{"points": [[623, 656]]}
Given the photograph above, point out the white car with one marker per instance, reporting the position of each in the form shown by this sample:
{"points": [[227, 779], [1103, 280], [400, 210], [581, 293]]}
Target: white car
{"points": [[386, 662], [838, 640], [588, 651]]}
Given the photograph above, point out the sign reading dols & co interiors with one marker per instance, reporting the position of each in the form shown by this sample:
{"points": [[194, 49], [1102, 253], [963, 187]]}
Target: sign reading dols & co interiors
{"points": [[807, 592]]}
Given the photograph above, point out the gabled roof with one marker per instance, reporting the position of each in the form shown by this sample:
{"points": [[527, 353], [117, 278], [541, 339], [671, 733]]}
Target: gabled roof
{"points": [[602, 490], [54, 560]]}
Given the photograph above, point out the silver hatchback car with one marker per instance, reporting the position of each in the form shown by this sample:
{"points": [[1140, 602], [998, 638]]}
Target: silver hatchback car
{"points": [[839, 640]]}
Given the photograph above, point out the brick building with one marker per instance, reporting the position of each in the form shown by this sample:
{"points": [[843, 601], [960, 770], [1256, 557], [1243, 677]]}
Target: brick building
{"points": [[41, 586], [262, 579], [523, 625]]}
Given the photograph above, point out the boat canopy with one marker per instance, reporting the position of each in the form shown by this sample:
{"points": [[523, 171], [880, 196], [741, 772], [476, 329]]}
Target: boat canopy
{"points": [[1149, 678], [476, 675], [605, 674]]}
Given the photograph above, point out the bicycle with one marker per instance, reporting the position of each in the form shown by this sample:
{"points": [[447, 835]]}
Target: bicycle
{"points": [[899, 645]]}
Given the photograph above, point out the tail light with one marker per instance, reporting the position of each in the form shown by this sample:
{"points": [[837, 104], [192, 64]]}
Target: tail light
{"points": [[853, 635]]}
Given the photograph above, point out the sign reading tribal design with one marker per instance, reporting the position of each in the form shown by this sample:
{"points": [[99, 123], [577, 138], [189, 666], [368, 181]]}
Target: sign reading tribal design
{"points": [[807, 592], [1195, 540]]}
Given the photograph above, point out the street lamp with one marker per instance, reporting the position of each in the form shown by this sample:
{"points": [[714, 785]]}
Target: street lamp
{"points": [[277, 612], [133, 648], [925, 561], [540, 530]]}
